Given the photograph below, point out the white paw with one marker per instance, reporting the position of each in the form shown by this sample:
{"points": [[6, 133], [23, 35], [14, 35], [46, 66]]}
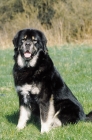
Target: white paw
{"points": [[44, 129], [20, 126]]}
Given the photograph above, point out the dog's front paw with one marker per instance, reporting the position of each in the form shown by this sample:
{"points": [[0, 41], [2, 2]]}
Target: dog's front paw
{"points": [[44, 129], [20, 126]]}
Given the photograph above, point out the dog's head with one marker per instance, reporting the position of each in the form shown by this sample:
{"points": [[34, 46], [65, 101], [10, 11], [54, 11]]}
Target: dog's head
{"points": [[28, 43]]}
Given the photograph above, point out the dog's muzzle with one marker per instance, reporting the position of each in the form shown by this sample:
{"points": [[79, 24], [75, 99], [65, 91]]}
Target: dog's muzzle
{"points": [[29, 50]]}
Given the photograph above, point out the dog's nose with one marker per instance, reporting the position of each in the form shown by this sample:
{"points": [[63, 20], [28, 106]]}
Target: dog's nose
{"points": [[27, 44]]}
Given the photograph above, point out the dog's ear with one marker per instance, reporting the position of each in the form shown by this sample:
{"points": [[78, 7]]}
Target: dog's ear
{"points": [[45, 47], [44, 41], [16, 39]]}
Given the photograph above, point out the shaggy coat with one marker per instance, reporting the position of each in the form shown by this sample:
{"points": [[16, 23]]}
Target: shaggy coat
{"points": [[41, 89]]}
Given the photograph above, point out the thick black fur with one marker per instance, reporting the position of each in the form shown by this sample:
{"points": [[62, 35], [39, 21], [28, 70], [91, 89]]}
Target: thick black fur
{"points": [[44, 72]]}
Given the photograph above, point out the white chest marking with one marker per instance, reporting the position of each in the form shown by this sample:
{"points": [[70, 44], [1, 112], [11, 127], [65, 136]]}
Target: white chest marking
{"points": [[25, 89]]}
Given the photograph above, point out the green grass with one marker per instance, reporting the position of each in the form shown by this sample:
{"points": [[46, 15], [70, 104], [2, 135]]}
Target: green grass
{"points": [[75, 65]]}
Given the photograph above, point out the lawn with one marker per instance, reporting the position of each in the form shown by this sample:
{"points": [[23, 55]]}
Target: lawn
{"points": [[74, 62]]}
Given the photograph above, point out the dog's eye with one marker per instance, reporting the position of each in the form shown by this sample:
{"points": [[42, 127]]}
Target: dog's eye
{"points": [[34, 41], [23, 39]]}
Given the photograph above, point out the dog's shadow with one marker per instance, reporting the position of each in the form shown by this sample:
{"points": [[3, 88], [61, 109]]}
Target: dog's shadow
{"points": [[13, 118]]}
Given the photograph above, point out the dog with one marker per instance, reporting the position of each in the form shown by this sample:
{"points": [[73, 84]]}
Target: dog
{"points": [[41, 89]]}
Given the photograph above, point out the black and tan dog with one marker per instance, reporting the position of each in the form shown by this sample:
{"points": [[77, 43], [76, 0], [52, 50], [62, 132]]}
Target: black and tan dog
{"points": [[40, 88]]}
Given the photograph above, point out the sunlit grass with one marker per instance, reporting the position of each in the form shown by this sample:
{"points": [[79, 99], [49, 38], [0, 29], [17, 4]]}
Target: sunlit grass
{"points": [[75, 65]]}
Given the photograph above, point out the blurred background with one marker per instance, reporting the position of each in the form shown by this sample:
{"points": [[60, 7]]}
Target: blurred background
{"points": [[62, 21]]}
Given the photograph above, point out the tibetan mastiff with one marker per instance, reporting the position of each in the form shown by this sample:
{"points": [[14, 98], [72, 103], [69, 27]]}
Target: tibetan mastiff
{"points": [[41, 89]]}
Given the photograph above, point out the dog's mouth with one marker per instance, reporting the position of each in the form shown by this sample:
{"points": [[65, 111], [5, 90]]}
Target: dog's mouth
{"points": [[27, 54]]}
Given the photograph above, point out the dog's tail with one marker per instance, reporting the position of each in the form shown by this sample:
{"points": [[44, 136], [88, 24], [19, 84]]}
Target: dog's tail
{"points": [[89, 116]]}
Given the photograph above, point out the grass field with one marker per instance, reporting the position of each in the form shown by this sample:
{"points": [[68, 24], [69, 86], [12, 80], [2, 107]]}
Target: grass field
{"points": [[75, 65]]}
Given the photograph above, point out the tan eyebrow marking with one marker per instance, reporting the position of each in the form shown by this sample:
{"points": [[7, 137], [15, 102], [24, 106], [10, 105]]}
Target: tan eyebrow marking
{"points": [[33, 37], [25, 36]]}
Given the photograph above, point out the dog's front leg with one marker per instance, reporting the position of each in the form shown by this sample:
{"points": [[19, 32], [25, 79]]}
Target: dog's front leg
{"points": [[47, 112], [24, 112], [23, 116]]}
